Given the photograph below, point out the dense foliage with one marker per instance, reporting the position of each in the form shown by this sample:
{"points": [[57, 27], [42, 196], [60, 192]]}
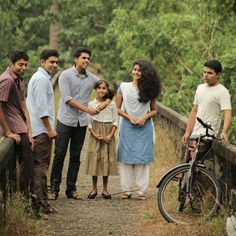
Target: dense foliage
{"points": [[178, 36]]}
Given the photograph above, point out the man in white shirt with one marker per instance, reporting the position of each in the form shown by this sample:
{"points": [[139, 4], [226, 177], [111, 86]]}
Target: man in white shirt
{"points": [[40, 102], [210, 101]]}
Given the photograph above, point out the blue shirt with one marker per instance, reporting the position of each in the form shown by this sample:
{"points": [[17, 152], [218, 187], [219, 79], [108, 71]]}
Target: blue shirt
{"points": [[40, 101], [73, 86]]}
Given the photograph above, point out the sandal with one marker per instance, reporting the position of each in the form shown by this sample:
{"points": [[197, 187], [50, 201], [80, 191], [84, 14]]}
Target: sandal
{"points": [[75, 196], [141, 197], [92, 195], [106, 195], [47, 209], [53, 196], [40, 216], [125, 196]]}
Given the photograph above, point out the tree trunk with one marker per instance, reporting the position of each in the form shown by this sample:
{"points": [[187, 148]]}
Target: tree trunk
{"points": [[54, 28]]}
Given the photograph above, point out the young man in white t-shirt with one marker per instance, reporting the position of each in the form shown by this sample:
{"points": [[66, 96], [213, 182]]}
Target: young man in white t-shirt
{"points": [[210, 101]]}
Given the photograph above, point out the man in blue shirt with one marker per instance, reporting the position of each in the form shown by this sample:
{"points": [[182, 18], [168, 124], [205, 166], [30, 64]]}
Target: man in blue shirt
{"points": [[76, 85], [40, 103]]}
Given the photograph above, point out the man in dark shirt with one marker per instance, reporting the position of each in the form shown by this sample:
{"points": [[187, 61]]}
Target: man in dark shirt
{"points": [[14, 117]]}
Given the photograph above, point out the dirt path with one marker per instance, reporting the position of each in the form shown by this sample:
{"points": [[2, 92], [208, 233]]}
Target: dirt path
{"points": [[99, 216], [123, 217]]}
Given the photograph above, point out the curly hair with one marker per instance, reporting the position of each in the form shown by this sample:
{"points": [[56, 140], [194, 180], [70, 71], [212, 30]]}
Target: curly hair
{"points": [[149, 84]]}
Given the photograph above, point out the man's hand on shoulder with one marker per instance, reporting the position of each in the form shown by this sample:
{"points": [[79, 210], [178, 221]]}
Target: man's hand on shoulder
{"points": [[92, 112], [103, 105]]}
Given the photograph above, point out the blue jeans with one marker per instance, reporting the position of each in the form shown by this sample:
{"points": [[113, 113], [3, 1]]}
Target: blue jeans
{"points": [[76, 136]]}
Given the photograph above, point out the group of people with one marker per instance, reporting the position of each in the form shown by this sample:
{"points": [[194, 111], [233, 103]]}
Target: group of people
{"points": [[30, 123]]}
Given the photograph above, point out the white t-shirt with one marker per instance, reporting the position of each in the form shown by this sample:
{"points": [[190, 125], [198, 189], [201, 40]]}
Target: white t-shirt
{"points": [[211, 101]]}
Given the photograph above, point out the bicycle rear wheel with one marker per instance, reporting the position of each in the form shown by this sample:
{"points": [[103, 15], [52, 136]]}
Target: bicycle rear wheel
{"points": [[177, 206]]}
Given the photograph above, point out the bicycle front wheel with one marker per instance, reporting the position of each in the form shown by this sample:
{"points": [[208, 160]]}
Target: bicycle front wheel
{"points": [[177, 205]]}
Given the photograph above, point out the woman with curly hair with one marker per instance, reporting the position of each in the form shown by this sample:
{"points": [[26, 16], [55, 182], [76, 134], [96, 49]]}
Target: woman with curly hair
{"points": [[136, 104]]}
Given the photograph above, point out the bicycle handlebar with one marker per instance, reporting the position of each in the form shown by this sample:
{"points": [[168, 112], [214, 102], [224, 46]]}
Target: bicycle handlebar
{"points": [[207, 126], [204, 124]]}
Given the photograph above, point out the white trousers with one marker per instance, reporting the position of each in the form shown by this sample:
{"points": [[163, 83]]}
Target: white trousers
{"points": [[134, 175]]}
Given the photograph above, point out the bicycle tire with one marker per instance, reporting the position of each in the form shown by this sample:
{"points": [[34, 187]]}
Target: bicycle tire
{"points": [[178, 208]]}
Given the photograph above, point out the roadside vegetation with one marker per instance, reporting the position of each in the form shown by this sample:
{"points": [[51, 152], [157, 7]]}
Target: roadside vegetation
{"points": [[19, 219], [166, 158]]}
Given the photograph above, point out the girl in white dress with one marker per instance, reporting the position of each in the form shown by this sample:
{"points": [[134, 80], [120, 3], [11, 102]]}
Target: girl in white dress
{"points": [[101, 154]]}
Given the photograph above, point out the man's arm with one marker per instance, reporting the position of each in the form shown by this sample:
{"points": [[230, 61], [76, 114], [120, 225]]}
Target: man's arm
{"points": [[41, 102], [79, 106], [4, 125], [52, 134], [67, 97], [103, 105], [26, 112], [227, 118], [190, 124]]}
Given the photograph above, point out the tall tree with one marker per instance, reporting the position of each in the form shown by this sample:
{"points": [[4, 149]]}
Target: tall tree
{"points": [[54, 28]]}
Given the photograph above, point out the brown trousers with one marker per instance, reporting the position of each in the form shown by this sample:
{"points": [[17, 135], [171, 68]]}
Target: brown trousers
{"points": [[41, 162], [26, 165]]}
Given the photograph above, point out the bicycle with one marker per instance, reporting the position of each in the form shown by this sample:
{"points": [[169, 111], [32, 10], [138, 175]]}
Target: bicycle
{"points": [[189, 192]]}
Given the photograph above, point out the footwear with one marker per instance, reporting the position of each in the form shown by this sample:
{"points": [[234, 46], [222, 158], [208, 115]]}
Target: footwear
{"points": [[35, 203], [125, 196], [47, 209], [141, 197], [106, 195], [74, 195], [40, 216], [92, 195], [53, 196]]}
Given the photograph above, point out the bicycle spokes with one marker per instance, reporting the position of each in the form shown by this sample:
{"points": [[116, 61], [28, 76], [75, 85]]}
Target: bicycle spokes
{"points": [[182, 202]]}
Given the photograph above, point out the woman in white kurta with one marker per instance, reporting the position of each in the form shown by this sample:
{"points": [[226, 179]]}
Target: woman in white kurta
{"points": [[136, 103]]}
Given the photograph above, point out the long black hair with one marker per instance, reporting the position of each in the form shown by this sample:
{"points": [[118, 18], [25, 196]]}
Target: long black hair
{"points": [[149, 84]]}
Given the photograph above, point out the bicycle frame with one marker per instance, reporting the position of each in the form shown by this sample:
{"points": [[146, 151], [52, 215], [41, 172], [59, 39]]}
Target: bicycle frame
{"points": [[189, 191], [194, 160], [187, 180]]}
